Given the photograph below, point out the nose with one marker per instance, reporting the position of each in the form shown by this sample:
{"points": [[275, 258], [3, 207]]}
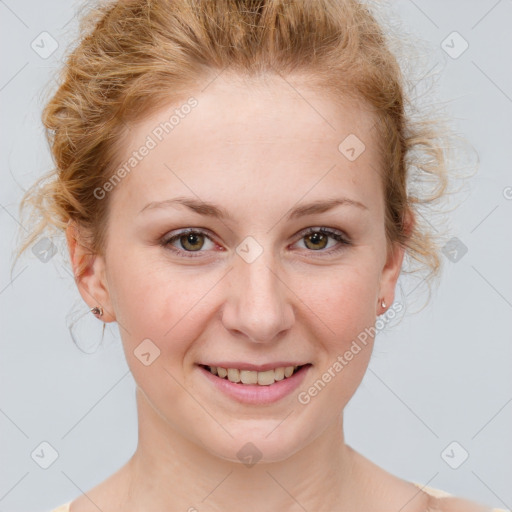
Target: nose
{"points": [[259, 303]]}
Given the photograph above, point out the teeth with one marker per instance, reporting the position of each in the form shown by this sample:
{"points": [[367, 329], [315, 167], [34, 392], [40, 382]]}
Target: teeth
{"points": [[248, 377], [265, 378], [233, 375], [288, 371], [279, 373]]}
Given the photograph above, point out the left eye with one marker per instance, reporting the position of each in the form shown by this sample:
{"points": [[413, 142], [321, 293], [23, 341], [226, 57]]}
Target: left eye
{"points": [[315, 239]]}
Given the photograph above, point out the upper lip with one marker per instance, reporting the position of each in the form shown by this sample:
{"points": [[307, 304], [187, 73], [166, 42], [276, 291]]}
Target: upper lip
{"points": [[253, 367]]}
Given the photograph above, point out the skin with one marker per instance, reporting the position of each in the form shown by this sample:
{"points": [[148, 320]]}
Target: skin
{"points": [[257, 149]]}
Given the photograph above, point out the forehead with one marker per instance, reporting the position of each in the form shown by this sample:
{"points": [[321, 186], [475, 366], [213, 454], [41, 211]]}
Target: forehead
{"points": [[244, 133]]}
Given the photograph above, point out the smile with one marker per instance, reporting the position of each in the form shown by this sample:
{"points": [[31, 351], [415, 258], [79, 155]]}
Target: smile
{"points": [[248, 385], [251, 377]]}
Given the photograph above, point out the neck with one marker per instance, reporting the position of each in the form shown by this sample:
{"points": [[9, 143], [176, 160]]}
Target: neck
{"points": [[168, 470]]}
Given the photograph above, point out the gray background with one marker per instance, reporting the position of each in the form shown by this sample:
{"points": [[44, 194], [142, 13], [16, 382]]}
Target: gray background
{"points": [[439, 376]]}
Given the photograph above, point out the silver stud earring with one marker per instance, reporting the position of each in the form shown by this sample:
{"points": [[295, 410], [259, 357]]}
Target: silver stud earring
{"points": [[383, 304]]}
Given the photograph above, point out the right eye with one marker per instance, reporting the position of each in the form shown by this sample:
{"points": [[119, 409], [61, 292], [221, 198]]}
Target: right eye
{"points": [[189, 240]]}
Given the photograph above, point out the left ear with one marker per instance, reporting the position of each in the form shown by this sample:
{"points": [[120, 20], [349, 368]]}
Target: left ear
{"points": [[392, 267]]}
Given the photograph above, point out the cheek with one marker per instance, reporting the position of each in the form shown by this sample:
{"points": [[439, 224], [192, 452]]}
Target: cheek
{"points": [[343, 315], [154, 301], [344, 299], [344, 351]]}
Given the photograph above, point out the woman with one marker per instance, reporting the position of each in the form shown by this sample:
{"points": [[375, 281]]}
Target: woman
{"points": [[232, 181]]}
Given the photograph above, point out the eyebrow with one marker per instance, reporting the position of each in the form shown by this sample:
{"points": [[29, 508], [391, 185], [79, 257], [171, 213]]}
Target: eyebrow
{"points": [[211, 210]]}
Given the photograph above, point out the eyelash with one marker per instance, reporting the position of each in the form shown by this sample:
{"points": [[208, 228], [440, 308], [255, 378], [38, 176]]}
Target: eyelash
{"points": [[336, 235]]}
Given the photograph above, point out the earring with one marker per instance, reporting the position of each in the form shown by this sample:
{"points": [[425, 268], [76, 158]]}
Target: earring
{"points": [[83, 328], [383, 304], [97, 311]]}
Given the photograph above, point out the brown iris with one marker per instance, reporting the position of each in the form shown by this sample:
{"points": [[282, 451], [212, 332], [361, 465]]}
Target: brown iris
{"points": [[192, 241], [316, 238]]}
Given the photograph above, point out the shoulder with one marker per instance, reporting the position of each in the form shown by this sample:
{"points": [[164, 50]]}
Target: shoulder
{"points": [[442, 501], [62, 508], [404, 495], [455, 504]]}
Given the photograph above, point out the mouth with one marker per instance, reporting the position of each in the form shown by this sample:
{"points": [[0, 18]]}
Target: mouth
{"points": [[251, 384], [246, 377]]}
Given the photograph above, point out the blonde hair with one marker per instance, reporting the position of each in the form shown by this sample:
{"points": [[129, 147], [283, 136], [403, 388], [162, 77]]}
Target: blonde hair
{"points": [[135, 56]]}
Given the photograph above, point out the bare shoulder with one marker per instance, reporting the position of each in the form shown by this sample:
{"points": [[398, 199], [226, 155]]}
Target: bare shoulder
{"points": [[399, 494], [110, 494], [456, 504]]}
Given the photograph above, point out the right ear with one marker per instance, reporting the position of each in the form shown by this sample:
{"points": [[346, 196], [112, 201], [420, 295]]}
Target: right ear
{"points": [[89, 271]]}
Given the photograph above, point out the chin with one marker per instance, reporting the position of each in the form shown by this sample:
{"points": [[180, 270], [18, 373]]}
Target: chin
{"points": [[255, 443]]}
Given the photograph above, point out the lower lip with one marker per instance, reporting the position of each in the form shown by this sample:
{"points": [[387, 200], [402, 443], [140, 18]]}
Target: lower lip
{"points": [[254, 393]]}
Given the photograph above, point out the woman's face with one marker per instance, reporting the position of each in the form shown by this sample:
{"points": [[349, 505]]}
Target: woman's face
{"points": [[250, 288]]}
